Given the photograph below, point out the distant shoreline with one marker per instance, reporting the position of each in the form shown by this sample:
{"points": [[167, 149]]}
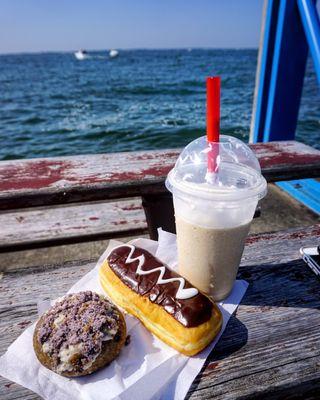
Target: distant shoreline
{"points": [[127, 49]]}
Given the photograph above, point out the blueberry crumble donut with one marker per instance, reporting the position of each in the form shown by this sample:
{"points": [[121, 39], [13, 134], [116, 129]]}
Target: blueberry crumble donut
{"points": [[80, 334]]}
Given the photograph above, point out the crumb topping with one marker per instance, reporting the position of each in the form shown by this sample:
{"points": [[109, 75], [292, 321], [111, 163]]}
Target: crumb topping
{"points": [[73, 330]]}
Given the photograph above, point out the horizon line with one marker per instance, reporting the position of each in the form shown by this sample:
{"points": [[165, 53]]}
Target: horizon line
{"points": [[127, 49]]}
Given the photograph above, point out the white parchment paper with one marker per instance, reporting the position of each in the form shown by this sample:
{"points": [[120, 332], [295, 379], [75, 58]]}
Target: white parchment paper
{"points": [[146, 369]]}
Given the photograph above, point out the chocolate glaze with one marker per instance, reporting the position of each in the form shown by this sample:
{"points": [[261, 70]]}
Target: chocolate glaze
{"points": [[189, 312]]}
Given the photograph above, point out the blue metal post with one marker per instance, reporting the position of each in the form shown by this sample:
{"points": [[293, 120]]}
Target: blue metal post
{"points": [[288, 69], [311, 24], [268, 33], [276, 117], [290, 26]]}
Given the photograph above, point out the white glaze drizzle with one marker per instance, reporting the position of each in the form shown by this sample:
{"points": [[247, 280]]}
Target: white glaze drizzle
{"points": [[182, 293]]}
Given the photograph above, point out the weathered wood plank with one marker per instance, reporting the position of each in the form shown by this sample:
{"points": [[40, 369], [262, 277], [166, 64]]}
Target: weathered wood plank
{"points": [[287, 160], [270, 349], [12, 391], [25, 183], [278, 355], [70, 224]]}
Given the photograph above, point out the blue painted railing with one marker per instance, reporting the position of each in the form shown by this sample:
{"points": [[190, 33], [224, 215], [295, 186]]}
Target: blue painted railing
{"points": [[290, 28], [311, 24]]}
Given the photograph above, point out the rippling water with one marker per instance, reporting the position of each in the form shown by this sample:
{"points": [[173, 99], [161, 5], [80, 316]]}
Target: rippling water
{"points": [[53, 104]]}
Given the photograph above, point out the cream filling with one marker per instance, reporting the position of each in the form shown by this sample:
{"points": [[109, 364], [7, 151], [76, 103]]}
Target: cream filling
{"points": [[65, 355]]}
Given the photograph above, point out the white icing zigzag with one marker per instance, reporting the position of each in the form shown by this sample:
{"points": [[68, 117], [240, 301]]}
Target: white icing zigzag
{"points": [[181, 294]]}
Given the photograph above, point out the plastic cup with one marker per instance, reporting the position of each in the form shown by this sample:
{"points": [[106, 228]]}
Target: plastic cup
{"points": [[213, 211]]}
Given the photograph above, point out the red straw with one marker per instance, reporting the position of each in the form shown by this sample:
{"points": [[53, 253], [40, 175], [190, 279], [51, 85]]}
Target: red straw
{"points": [[213, 120]]}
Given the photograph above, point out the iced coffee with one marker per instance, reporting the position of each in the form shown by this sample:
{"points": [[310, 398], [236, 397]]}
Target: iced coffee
{"points": [[213, 214]]}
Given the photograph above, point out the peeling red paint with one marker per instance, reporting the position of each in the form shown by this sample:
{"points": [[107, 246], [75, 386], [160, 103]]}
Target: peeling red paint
{"points": [[157, 171], [121, 222], [126, 222], [278, 154], [173, 154], [252, 239], [34, 174], [278, 236], [131, 207], [138, 221], [212, 365], [93, 218], [24, 324], [40, 174], [81, 171], [76, 227], [143, 157], [261, 146], [288, 159]]}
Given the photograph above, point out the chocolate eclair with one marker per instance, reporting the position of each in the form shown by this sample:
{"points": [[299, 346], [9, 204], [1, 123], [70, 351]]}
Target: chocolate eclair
{"points": [[166, 303], [80, 334]]}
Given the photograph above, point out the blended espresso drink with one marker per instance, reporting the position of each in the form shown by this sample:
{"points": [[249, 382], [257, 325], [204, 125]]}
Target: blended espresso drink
{"points": [[197, 245], [214, 211]]}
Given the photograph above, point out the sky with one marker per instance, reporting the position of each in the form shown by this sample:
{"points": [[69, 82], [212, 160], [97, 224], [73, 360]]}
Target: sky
{"points": [[64, 25]]}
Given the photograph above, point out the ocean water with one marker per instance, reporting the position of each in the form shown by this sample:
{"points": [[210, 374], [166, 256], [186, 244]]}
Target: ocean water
{"points": [[52, 104]]}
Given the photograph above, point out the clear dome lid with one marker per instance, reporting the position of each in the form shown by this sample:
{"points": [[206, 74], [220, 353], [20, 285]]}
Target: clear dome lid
{"points": [[237, 174]]}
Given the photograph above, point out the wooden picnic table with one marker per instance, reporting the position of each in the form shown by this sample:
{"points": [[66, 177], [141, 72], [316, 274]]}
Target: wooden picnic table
{"points": [[270, 348], [72, 186], [61, 180]]}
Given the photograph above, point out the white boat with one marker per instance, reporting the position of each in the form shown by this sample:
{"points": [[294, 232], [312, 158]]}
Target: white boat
{"points": [[113, 53], [81, 55]]}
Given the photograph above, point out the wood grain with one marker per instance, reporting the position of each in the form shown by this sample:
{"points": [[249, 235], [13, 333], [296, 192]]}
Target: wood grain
{"points": [[270, 349], [47, 181], [70, 224], [60, 225]]}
